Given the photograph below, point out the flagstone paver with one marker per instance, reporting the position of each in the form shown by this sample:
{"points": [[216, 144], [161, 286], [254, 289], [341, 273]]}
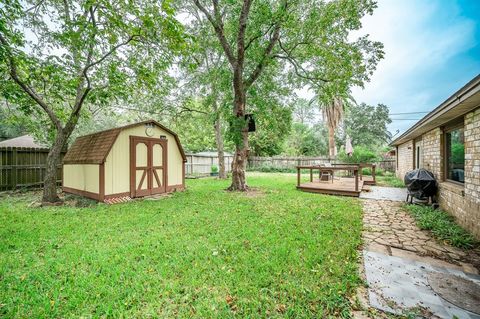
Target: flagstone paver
{"points": [[387, 223]]}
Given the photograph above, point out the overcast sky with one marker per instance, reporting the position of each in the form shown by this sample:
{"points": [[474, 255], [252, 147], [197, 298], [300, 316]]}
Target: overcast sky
{"points": [[432, 48]]}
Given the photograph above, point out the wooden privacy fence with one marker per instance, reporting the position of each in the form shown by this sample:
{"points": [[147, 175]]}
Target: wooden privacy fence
{"points": [[292, 162], [287, 162], [388, 165], [202, 164], [24, 167]]}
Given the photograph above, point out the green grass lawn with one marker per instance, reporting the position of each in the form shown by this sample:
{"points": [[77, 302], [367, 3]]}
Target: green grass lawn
{"points": [[443, 226], [389, 181], [202, 253]]}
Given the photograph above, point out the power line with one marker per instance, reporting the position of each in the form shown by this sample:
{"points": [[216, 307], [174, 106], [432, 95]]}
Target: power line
{"points": [[405, 119], [408, 113]]}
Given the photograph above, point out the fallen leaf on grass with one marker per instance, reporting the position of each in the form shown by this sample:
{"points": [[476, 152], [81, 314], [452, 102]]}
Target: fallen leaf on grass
{"points": [[281, 308], [231, 303]]}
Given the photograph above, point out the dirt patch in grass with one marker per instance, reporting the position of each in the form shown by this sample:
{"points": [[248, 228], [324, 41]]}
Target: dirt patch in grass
{"points": [[255, 192]]}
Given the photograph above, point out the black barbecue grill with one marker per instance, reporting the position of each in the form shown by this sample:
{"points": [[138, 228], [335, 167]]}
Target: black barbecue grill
{"points": [[421, 184]]}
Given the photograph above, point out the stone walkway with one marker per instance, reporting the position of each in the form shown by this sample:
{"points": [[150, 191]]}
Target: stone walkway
{"points": [[387, 224]]}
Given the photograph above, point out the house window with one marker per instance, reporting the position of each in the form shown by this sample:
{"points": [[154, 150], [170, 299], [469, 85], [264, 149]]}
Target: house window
{"points": [[455, 154], [418, 153]]}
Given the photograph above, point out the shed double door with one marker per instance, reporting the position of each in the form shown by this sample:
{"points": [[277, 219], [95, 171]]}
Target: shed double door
{"points": [[148, 166]]}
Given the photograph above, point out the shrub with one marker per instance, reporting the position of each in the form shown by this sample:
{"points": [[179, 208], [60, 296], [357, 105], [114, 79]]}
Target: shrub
{"points": [[271, 169], [360, 155], [368, 171], [379, 172], [214, 169], [442, 226]]}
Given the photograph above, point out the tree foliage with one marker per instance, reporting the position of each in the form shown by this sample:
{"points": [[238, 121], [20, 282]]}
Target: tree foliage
{"points": [[361, 154], [12, 124], [304, 140], [57, 56], [308, 39], [273, 126], [367, 125]]}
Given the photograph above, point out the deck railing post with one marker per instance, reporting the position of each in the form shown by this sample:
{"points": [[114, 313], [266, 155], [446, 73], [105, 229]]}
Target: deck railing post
{"points": [[298, 176], [373, 173], [311, 174], [355, 172]]}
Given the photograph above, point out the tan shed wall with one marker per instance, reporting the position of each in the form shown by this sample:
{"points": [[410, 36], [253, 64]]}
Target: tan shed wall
{"points": [[85, 177], [117, 164]]}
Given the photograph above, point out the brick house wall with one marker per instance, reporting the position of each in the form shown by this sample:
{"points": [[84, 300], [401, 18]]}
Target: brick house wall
{"points": [[404, 159], [472, 155], [471, 198], [462, 201], [432, 152]]}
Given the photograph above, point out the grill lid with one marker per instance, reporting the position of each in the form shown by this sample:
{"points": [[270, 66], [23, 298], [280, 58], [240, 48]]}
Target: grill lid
{"points": [[421, 183]]}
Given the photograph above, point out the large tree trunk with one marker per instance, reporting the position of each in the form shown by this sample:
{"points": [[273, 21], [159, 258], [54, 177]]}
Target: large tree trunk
{"points": [[331, 141], [220, 149], [239, 164], [53, 160]]}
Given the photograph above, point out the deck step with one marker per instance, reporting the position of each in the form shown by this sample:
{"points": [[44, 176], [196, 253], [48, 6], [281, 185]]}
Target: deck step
{"points": [[366, 188]]}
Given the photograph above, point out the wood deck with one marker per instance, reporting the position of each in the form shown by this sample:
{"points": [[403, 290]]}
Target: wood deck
{"points": [[344, 186], [368, 180]]}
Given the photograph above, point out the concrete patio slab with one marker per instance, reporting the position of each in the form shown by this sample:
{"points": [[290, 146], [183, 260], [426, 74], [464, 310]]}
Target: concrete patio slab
{"points": [[409, 272], [397, 285], [385, 193]]}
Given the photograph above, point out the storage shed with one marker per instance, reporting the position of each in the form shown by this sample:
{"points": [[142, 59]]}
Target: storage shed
{"points": [[136, 160]]}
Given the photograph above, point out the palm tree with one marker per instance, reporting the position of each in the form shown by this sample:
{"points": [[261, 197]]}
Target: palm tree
{"points": [[332, 113], [333, 106]]}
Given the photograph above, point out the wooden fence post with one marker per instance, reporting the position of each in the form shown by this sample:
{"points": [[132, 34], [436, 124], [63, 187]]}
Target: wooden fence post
{"points": [[14, 168]]}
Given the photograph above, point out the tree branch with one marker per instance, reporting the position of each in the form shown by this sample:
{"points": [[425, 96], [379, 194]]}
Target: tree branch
{"points": [[35, 6], [26, 88], [83, 76], [249, 42], [218, 27], [296, 66], [268, 49], [109, 52], [187, 109], [242, 27], [265, 56]]}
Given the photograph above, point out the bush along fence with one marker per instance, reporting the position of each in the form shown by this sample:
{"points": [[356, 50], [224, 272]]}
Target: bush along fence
{"points": [[285, 164], [23, 167]]}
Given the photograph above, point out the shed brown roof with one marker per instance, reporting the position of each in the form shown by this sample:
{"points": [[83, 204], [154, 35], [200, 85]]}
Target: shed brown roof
{"points": [[94, 148]]}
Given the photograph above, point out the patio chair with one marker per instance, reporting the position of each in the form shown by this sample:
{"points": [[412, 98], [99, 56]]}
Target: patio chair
{"points": [[328, 174]]}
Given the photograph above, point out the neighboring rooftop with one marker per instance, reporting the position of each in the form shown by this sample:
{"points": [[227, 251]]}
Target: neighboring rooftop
{"points": [[22, 141], [461, 102]]}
